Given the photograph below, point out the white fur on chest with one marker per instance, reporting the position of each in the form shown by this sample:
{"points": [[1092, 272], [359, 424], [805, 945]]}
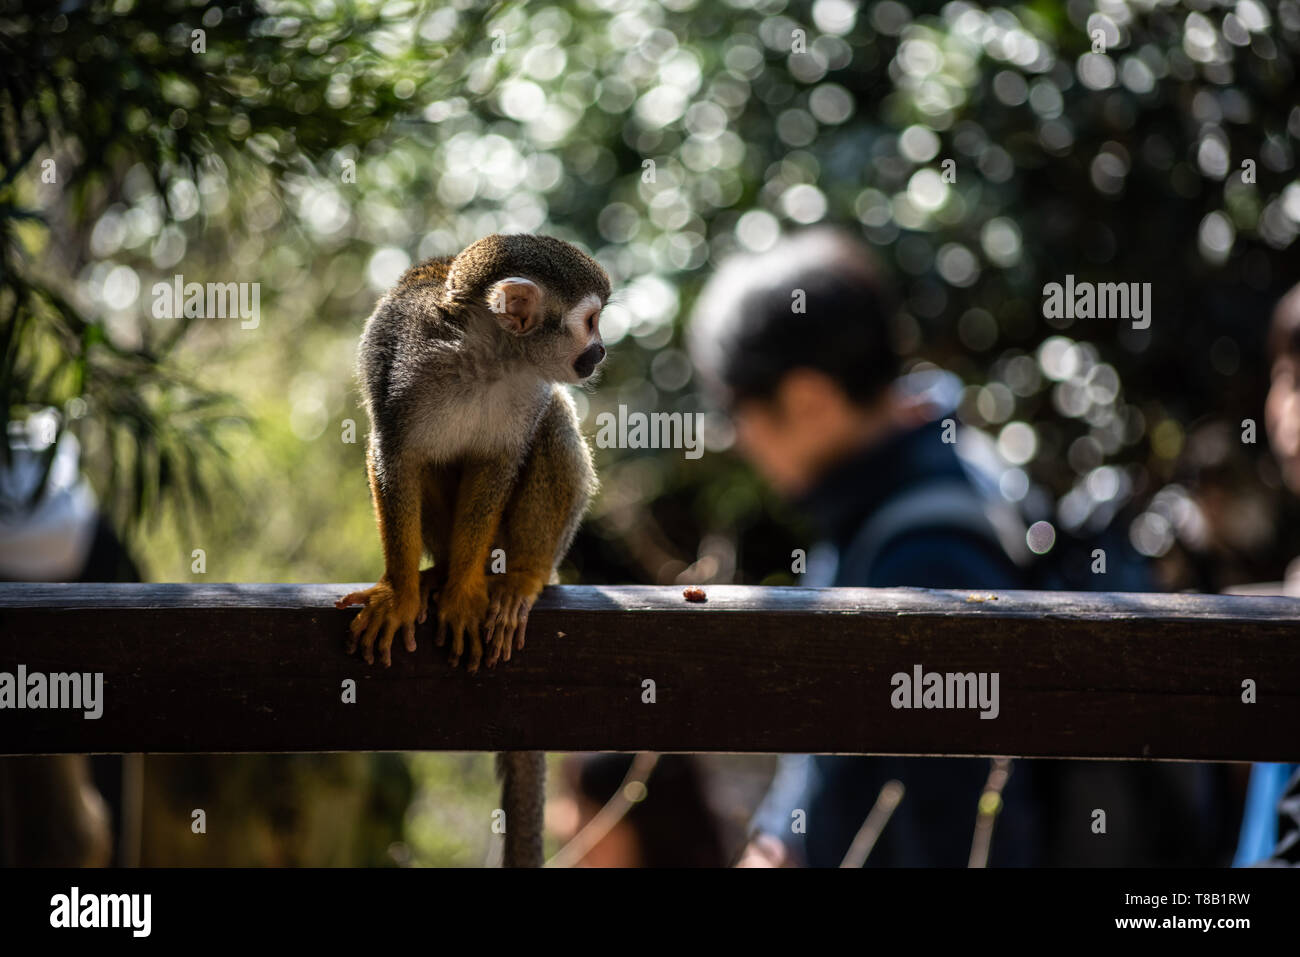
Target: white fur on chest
{"points": [[484, 422]]}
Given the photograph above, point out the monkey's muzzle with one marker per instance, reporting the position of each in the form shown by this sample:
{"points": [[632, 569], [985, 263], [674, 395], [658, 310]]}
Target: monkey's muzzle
{"points": [[586, 363]]}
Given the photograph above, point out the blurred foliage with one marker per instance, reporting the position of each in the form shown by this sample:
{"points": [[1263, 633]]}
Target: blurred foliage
{"points": [[123, 128], [275, 810], [317, 149], [320, 148]]}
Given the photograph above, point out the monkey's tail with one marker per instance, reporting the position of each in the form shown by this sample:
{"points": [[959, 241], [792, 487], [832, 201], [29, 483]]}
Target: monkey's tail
{"points": [[523, 797]]}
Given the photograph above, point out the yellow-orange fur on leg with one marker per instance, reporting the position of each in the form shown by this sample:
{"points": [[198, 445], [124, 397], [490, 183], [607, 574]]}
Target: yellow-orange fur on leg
{"points": [[393, 603]]}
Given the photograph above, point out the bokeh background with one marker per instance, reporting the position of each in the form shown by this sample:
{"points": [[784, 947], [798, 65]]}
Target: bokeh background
{"points": [[320, 148]]}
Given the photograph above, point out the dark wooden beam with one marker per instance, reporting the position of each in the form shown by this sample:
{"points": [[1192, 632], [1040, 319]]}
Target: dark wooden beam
{"points": [[217, 668]]}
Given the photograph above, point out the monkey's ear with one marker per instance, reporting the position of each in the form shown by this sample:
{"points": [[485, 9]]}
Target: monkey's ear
{"points": [[517, 303]]}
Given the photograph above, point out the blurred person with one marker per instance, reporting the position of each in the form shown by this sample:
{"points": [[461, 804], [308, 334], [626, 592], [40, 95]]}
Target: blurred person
{"points": [[1287, 852], [670, 825], [1282, 406], [73, 810], [1270, 800], [820, 410], [51, 812]]}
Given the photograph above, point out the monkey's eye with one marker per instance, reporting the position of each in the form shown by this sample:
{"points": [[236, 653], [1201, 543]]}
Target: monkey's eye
{"points": [[591, 321]]}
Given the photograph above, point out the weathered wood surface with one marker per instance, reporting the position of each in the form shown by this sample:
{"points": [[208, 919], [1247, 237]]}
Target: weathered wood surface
{"points": [[216, 668]]}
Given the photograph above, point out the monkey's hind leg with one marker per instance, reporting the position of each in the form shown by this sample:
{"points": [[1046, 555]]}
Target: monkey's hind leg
{"points": [[523, 798], [554, 486], [481, 497]]}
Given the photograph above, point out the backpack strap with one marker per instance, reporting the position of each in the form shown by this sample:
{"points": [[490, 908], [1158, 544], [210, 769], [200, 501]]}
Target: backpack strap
{"points": [[949, 503]]}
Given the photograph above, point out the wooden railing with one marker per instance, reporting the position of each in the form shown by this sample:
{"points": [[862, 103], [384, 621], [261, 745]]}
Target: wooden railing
{"points": [[261, 668]]}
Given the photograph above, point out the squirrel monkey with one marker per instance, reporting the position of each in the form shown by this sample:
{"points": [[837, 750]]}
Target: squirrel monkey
{"points": [[475, 445]]}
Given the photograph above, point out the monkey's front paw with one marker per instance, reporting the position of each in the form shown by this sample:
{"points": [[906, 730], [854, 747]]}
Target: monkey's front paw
{"points": [[510, 601], [460, 616], [385, 612]]}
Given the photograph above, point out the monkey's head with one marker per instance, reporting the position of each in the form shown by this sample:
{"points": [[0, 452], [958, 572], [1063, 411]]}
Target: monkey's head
{"points": [[545, 293]]}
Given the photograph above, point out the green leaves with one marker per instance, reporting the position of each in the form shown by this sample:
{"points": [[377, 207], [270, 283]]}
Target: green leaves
{"points": [[100, 92]]}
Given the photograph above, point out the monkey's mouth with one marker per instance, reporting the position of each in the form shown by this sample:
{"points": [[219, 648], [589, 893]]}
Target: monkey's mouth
{"points": [[586, 363]]}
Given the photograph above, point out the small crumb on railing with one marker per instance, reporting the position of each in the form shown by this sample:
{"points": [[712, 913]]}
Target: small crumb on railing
{"points": [[974, 597], [695, 593]]}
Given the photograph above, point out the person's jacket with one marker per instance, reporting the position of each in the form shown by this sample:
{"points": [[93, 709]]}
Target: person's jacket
{"points": [[934, 823]]}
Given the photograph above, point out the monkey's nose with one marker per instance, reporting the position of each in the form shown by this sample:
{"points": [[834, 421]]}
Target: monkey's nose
{"points": [[591, 357]]}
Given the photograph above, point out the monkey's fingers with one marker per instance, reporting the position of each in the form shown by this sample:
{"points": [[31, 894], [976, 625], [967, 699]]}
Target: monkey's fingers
{"points": [[354, 598], [355, 629], [446, 629], [508, 623], [497, 630], [460, 629], [522, 630], [386, 641], [493, 643], [368, 639], [516, 606], [408, 634], [475, 649]]}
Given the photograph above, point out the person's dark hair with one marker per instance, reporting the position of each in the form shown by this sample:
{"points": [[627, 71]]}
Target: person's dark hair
{"points": [[674, 824], [1284, 331], [745, 335]]}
